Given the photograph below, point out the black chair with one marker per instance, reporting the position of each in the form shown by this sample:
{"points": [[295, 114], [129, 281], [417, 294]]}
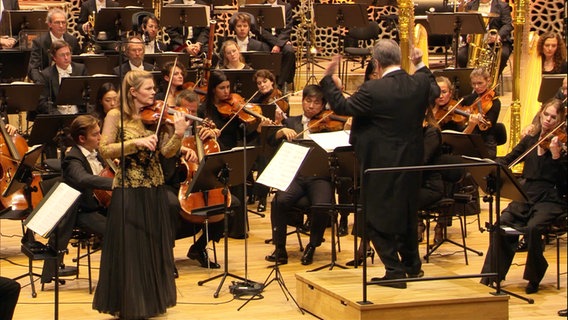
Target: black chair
{"points": [[138, 18], [352, 52], [296, 220], [445, 209]]}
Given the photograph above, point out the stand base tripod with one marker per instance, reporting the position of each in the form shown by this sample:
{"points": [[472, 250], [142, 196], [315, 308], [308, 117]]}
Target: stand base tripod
{"points": [[333, 262]]}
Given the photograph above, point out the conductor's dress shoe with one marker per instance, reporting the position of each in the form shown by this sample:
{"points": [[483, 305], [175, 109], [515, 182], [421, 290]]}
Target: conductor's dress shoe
{"points": [[203, 259], [397, 285], [308, 257], [280, 255]]}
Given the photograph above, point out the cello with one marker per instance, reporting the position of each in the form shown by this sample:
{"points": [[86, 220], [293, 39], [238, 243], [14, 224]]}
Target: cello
{"points": [[191, 202]]}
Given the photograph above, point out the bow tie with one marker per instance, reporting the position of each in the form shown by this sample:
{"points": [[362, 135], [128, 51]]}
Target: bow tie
{"points": [[92, 156], [65, 71]]}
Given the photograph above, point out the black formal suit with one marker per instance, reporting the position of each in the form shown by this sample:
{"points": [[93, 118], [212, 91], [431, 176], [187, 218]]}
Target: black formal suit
{"points": [[387, 132], [317, 189], [503, 23], [545, 186], [50, 81], [280, 38], [10, 292], [86, 214], [40, 57], [126, 67], [87, 8], [178, 35]]}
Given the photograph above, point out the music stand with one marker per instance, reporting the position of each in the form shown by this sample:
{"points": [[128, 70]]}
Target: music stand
{"points": [[159, 60], [496, 179], [264, 60], [460, 78], [120, 18], [47, 127], [185, 15], [266, 15], [471, 145], [549, 86], [97, 63], [222, 169], [136, 3], [14, 21], [11, 62], [341, 14], [80, 90], [20, 97], [456, 23], [241, 82]]}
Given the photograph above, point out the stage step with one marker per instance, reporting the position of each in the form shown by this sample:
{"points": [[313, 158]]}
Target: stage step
{"points": [[337, 294]]}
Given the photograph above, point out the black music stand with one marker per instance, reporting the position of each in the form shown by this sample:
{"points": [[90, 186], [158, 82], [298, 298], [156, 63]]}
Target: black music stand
{"points": [[185, 15], [19, 97], [456, 23], [116, 19], [266, 15], [496, 179], [98, 63], [460, 78], [341, 14], [470, 145], [241, 82], [222, 169], [264, 60], [11, 62], [160, 59], [136, 3], [81, 90], [14, 21], [51, 128], [549, 86]]}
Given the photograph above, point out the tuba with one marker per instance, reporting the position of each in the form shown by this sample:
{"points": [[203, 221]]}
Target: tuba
{"points": [[483, 54]]}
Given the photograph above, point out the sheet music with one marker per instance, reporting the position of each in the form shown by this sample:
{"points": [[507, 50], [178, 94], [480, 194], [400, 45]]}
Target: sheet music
{"points": [[328, 141], [52, 208], [284, 166]]}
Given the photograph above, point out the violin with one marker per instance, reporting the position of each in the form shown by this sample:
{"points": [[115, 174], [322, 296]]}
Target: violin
{"points": [[237, 105], [482, 105], [326, 121], [449, 114], [276, 98], [151, 114], [544, 142]]}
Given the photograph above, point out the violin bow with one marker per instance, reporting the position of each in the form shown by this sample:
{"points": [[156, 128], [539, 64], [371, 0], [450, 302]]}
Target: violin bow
{"points": [[166, 96], [548, 135], [237, 112]]}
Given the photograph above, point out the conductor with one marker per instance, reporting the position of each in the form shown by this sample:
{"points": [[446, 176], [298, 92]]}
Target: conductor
{"points": [[379, 108]]}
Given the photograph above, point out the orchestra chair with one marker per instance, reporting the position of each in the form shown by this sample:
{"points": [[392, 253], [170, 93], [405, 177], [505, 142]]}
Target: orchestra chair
{"points": [[137, 19], [296, 220], [445, 209], [352, 52], [82, 239]]}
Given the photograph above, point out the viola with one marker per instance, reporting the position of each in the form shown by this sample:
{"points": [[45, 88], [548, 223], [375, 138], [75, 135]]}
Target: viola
{"points": [[190, 202], [326, 121], [276, 98], [482, 105], [237, 105]]}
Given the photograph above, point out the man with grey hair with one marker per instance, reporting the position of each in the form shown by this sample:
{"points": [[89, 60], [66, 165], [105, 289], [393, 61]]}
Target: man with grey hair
{"points": [[39, 58], [387, 132]]}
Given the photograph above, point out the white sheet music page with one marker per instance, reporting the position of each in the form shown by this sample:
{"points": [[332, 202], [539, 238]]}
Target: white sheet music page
{"points": [[284, 166], [328, 141], [52, 209]]}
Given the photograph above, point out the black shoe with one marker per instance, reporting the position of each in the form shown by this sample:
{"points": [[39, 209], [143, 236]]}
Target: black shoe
{"points": [[421, 229], [523, 246], [176, 273], [397, 285], [342, 229], [281, 254], [251, 199], [438, 233], [532, 287], [203, 259], [308, 257], [261, 204], [563, 313], [63, 271], [420, 274], [370, 253]]}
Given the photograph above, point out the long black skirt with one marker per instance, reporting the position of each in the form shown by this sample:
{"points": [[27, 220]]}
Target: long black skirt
{"points": [[137, 264]]}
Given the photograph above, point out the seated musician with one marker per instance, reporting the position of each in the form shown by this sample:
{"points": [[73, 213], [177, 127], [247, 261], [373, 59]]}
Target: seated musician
{"points": [[232, 57], [484, 111], [192, 40], [134, 50], [443, 104], [81, 167], [183, 228], [317, 189], [40, 56], [107, 99], [63, 67], [241, 23], [279, 40], [502, 23], [150, 27], [552, 50], [10, 292], [176, 84], [88, 7], [544, 172]]}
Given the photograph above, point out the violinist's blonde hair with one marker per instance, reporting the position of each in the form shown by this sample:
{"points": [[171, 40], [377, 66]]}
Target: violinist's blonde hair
{"points": [[133, 79], [560, 114]]}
